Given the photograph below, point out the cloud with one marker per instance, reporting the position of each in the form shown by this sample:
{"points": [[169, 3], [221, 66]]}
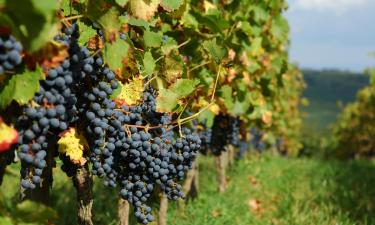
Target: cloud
{"points": [[338, 6]]}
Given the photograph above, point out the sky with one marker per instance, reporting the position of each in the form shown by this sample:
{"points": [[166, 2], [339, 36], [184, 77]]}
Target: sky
{"points": [[332, 34]]}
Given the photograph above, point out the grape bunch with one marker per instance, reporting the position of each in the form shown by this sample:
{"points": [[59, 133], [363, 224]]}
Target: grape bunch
{"points": [[10, 53], [133, 147], [225, 130], [234, 135], [52, 110], [256, 140]]}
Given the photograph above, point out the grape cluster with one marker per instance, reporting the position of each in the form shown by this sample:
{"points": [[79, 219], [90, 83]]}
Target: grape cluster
{"points": [[133, 147], [234, 135], [205, 134], [256, 140], [52, 110], [10, 53], [225, 130]]}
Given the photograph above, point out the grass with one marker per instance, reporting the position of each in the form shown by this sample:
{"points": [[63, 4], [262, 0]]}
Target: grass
{"points": [[262, 190], [275, 190]]}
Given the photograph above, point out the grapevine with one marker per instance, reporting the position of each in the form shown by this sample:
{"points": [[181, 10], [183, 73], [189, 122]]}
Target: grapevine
{"points": [[132, 92]]}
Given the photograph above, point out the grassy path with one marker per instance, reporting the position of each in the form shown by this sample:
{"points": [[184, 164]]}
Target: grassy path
{"points": [[275, 190]]}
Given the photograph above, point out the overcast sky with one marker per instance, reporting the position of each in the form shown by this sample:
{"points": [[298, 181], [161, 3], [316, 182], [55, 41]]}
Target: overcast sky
{"points": [[336, 34]]}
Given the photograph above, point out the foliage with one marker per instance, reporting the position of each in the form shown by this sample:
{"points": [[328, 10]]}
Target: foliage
{"points": [[354, 130], [209, 58]]}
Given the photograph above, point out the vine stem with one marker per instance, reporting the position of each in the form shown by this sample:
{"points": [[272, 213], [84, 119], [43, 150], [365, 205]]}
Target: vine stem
{"points": [[217, 78], [189, 118], [200, 65], [183, 43], [179, 118], [71, 18]]}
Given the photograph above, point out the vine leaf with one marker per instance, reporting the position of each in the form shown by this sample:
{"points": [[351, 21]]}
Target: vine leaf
{"points": [[85, 33], [70, 7], [122, 3], [173, 68], [131, 92], [168, 46], [184, 87], [144, 9], [149, 64], [152, 39], [36, 20], [171, 5], [115, 53], [73, 145], [216, 52], [106, 15], [168, 99], [20, 87], [226, 95]]}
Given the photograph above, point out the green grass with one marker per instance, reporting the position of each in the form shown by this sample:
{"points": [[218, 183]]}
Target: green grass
{"points": [[289, 191]]}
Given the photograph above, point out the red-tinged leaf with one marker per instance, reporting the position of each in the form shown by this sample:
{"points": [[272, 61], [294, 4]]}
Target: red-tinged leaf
{"points": [[8, 136]]}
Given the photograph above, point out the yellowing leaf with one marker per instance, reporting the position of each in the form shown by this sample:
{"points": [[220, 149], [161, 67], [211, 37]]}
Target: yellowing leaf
{"points": [[131, 92], [215, 109], [144, 9], [72, 145], [8, 136], [267, 117]]}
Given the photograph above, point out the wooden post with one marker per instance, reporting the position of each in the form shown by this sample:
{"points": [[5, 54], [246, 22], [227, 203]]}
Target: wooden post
{"points": [[231, 154], [195, 183], [163, 209], [123, 212], [221, 177], [82, 181]]}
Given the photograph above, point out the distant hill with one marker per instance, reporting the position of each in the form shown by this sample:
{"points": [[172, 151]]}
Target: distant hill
{"points": [[325, 88]]}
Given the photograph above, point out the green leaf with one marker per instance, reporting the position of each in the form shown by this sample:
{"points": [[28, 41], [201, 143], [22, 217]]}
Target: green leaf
{"points": [[168, 46], [5, 221], [116, 92], [121, 3], [171, 5], [206, 77], [36, 20], [166, 101], [152, 39], [148, 64], [226, 95], [20, 87], [280, 28], [33, 212], [135, 22], [217, 52], [86, 32], [106, 15], [256, 46], [241, 106], [184, 87], [70, 7], [115, 53], [173, 68], [189, 21]]}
